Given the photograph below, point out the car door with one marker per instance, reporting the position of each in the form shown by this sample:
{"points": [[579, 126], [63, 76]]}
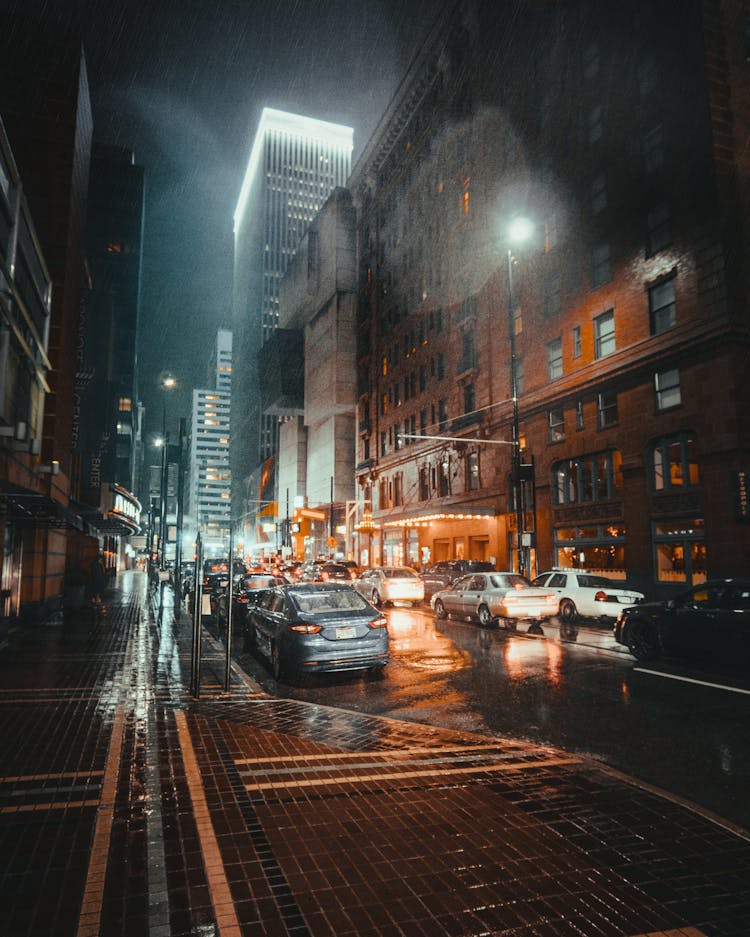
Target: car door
{"points": [[696, 622], [264, 617], [452, 596], [473, 591]]}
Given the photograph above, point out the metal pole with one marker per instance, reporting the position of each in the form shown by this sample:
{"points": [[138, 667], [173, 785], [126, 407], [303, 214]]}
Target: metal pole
{"points": [[516, 459], [195, 660], [180, 497], [163, 494], [230, 593]]}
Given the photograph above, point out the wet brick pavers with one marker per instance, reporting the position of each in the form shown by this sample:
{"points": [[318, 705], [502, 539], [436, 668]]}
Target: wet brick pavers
{"points": [[129, 808]]}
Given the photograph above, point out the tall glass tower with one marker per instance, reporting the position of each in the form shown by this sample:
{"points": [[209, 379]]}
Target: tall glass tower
{"points": [[295, 163]]}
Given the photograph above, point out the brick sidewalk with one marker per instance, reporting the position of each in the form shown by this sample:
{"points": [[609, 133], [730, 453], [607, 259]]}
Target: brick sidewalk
{"points": [[128, 808]]}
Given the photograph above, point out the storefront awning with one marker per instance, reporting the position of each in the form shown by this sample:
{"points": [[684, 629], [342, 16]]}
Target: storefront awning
{"points": [[427, 517]]}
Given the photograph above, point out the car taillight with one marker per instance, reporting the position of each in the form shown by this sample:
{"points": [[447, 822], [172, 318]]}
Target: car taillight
{"points": [[243, 598], [306, 627], [325, 576], [603, 597], [378, 623], [352, 574]]}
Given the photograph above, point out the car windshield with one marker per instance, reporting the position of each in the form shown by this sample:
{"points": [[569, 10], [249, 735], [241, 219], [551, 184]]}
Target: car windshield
{"points": [[508, 581], [400, 572], [320, 602]]}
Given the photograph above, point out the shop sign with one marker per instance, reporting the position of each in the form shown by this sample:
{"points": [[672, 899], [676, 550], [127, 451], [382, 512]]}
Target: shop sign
{"points": [[742, 494]]}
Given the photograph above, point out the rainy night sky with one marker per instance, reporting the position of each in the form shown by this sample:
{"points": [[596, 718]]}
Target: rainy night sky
{"points": [[183, 83]]}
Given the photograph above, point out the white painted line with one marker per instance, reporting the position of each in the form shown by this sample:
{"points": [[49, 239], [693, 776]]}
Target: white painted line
{"points": [[672, 676], [408, 775]]}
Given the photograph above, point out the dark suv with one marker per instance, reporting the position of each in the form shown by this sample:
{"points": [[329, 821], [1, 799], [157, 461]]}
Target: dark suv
{"points": [[442, 574]]}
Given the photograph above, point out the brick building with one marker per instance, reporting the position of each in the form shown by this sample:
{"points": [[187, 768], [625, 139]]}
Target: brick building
{"points": [[620, 133]]}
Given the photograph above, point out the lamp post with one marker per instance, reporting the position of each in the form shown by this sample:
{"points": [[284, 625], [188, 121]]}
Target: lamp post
{"points": [[168, 382], [519, 231]]}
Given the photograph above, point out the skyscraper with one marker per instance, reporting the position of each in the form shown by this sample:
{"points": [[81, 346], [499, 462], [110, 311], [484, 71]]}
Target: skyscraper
{"points": [[209, 450], [295, 163]]}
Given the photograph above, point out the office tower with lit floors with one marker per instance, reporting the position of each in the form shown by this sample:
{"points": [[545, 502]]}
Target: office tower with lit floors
{"points": [[295, 163], [210, 479]]}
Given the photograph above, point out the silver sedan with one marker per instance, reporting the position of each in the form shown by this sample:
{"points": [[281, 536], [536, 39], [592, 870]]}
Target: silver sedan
{"points": [[490, 597]]}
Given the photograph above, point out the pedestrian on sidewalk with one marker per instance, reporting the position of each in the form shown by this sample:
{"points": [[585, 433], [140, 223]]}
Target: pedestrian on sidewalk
{"points": [[98, 579]]}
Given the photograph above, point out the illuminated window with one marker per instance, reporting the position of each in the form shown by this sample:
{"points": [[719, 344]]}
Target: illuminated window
{"points": [[674, 462], [114, 247], [595, 477], [679, 550], [125, 404]]}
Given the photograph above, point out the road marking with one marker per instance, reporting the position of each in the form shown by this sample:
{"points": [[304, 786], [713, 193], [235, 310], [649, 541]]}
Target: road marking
{"points": [[408, 775], [89, 920], [385, 753], [221, 896], [671, 676]]}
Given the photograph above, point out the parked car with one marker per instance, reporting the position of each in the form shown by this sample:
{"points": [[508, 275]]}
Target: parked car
{"points": [[383, 584], [307, 627], [582, 593], [488, 597], [245, 592], [440, 575], [709, 621], [352, 567]]}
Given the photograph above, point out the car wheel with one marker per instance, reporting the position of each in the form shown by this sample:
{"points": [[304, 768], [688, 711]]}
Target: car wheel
{"points": [[440, 609], [568, 610], [276, 668], [485, 616], [568, 631], [643, 641]]}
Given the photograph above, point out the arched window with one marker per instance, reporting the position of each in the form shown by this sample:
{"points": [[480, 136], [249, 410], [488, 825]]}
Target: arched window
{"points": [[674, 462]]}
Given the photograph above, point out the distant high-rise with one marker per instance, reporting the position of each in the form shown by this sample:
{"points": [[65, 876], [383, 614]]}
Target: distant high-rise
{"points": [[295, 164], [210, 479], [115, 242]]}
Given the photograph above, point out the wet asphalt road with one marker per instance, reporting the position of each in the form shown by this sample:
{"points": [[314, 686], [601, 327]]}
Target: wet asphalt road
{"points": [[685, 730]]}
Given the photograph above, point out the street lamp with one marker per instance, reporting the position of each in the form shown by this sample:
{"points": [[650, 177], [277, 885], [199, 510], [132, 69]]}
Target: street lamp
{"points": [[168, 382], [519, 231]]}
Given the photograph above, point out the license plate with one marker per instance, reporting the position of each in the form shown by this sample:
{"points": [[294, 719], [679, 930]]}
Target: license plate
{"points": [[349, 632]]}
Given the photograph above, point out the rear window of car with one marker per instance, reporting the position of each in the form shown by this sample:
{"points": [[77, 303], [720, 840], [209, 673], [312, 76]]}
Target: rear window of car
{"points": [[320, 602], [594, 582], [400, 572], [508, 582], [478, 566]]}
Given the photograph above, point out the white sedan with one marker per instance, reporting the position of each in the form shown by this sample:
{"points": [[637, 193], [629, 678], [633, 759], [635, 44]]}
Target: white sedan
{"points": [[585, 594], [490, 597], [390, 584]]}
